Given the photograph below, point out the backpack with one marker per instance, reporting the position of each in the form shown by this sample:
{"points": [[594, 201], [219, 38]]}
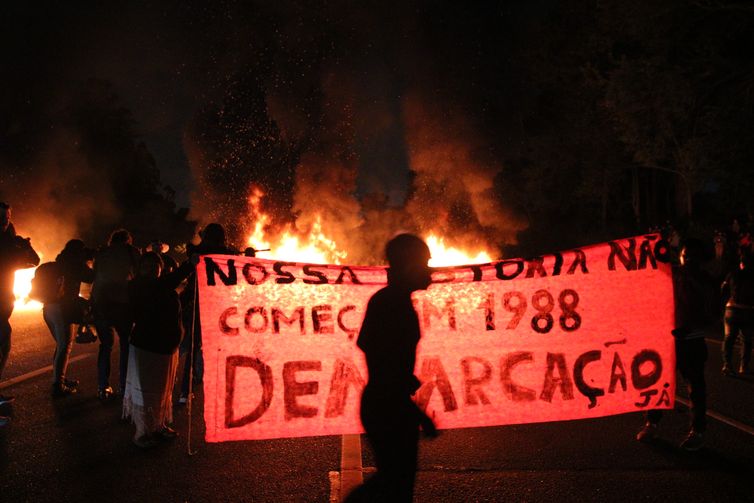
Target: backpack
{"points": [[47, 283]]}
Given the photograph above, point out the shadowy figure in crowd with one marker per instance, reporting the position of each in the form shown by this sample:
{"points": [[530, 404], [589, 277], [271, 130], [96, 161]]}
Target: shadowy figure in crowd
{"points": [[694, 295], [15, 253], [153, 355], [213, 242], [64, 313], [738, 294], [114, 266], [169, 264], [388, 337]]}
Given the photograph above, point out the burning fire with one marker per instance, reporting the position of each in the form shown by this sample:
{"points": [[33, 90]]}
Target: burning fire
{"points": [[314, 247], [22, 288], [446, 256], [317, 248]]}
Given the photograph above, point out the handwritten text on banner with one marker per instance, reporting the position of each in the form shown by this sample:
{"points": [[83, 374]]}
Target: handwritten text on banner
{"points": [[578, 334]]}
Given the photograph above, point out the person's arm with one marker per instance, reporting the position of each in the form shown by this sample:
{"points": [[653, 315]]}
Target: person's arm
{"points": [[26, 256], [86, 274], [725, 290], [174, 278]]}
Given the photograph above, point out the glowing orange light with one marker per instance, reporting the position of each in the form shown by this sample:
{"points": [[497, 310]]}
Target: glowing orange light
{"points": [[22, 288], [313, 247], [443, 255]]}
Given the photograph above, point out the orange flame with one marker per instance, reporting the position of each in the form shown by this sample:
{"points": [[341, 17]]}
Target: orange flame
{"points": [[443, 255], [317, 247], [313, 247], [22, 288]]}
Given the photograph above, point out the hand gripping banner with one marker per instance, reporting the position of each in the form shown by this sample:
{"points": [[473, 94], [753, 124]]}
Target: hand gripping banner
{"points": [[579, 334]]}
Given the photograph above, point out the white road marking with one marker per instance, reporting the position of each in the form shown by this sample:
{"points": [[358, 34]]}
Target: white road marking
{"points": [[350, 465], [723, 419], [35, 373]]}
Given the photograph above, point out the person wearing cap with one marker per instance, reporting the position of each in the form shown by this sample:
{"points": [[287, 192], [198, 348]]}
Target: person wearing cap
{"points": [[15, 253]]}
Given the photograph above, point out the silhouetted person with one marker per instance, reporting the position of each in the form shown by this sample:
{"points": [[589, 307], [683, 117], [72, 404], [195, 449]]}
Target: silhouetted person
{"points": [[738, 294], [388, 338], [64, 313], [169, 264], [15, 253], [213, 242], [693, 293], [114, 266], [153, 355]]}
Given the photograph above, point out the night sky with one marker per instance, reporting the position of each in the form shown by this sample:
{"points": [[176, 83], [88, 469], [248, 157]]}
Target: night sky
{"points": [[411, 114]]}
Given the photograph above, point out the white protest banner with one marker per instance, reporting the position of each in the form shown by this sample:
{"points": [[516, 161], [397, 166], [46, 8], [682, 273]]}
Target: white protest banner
{"points": [[579, 334]]}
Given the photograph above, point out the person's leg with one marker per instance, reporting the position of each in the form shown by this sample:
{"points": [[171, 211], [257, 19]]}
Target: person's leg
{"points": [[198, 358], [691, 366], [106, 339], [731, 333], [187, 350], [124, 333], [69, 334], [53, 317], [747, 332], [6, 309]]}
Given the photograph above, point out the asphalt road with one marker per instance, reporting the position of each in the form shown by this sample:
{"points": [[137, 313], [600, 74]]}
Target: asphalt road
{"points": [[77, 449]]}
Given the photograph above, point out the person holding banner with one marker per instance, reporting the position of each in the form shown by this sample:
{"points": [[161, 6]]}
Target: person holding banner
{"points": [[693, 293], [153, 355], [388, 337], [213, 242]]}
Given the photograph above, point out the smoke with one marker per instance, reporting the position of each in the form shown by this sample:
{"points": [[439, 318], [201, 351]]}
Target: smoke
{"points": [[59, 197], [349, 115]]}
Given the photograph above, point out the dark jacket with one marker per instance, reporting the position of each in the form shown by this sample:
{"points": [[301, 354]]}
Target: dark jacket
{"points": [[156, 311], [75, 271], [694, 296], [114, 267], [15, 253], [189, 293]]}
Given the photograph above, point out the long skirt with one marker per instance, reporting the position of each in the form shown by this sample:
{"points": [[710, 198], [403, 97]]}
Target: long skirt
{"points": [[148, 397]]}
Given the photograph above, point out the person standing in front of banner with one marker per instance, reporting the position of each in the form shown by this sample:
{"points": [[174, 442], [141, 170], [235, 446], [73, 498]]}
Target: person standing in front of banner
{"points": [[114, 267], [64, 314], [153, 355], [213, 242], [15, 253], [694, 295], [388, 337], [738, 292]]}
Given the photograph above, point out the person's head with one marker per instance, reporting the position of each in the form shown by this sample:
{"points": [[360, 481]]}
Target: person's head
{"points": [[4, 216], [692, 253], [75, 249], [120, 236], [213, 234], [150, 265], [407, 256]]}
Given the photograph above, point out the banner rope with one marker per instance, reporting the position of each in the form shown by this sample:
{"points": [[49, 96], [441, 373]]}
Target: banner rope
{"points": [[190, 363]]}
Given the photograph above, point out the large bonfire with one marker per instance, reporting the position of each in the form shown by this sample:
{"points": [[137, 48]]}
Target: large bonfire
{"points": [[290, 244]]}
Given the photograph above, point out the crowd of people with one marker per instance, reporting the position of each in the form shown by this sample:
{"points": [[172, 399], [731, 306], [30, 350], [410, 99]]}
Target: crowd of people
{"points": [[135, 299], [708, 288]]}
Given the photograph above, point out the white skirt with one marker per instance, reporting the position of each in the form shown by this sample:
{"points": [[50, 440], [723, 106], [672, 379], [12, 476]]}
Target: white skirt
{"points": [[148, 399]]}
